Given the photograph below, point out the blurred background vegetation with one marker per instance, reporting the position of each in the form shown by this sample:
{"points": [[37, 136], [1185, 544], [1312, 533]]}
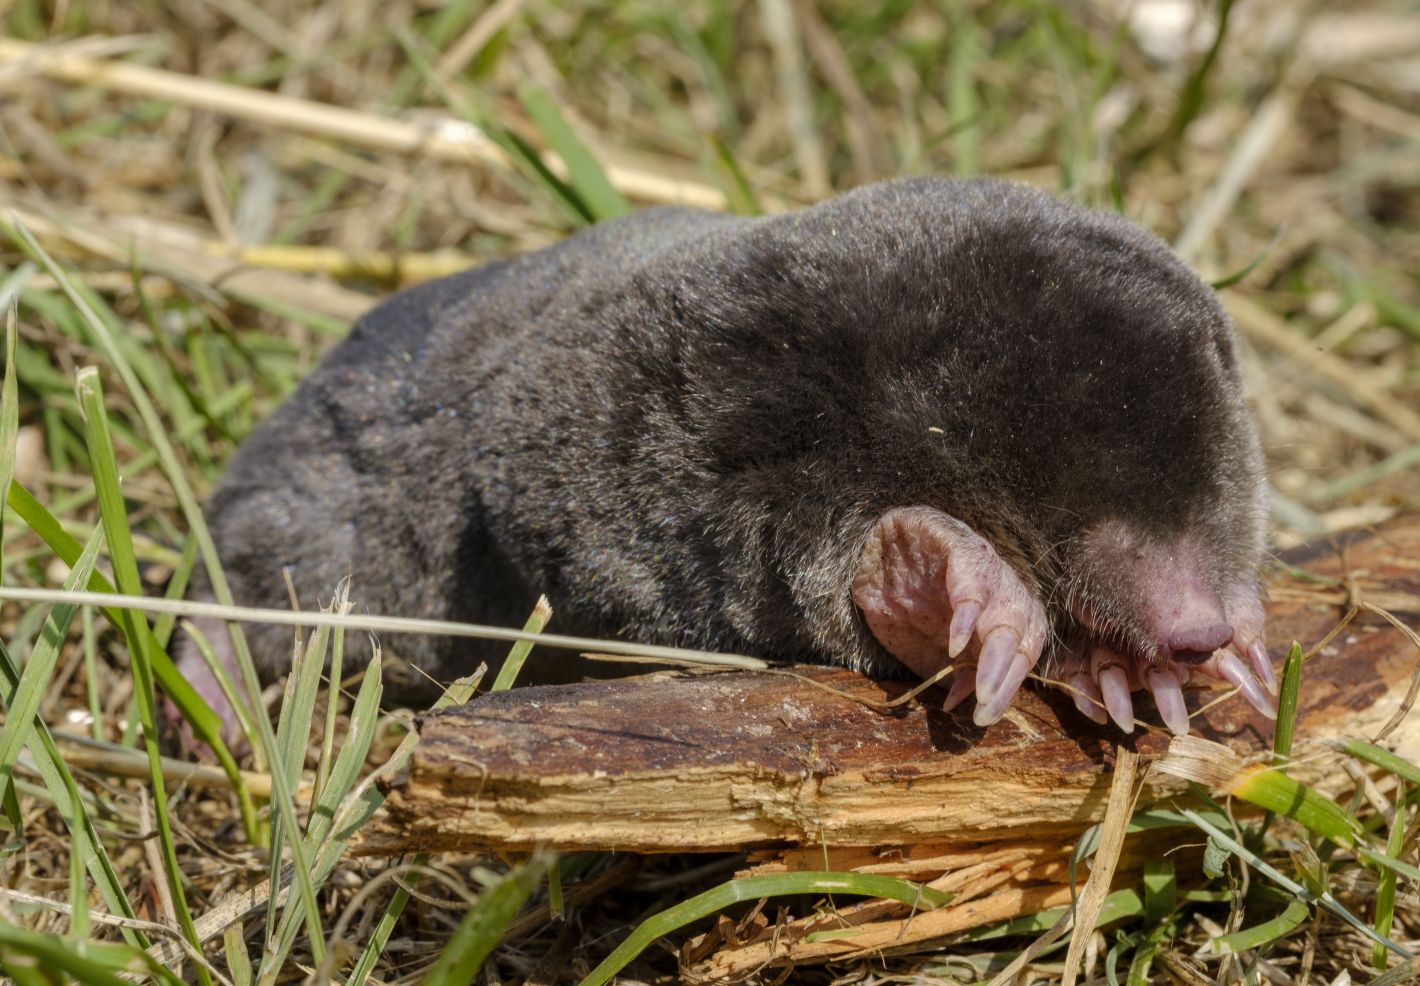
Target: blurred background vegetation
{"points": [[232, 181]]}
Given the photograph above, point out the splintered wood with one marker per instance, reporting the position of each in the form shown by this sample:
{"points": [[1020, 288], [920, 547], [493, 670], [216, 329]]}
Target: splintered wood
{"points": [[806, 777]]}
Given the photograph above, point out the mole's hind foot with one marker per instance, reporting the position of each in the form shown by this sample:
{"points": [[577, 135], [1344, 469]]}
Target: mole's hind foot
{"points": [[193, 666], [934, 593]]}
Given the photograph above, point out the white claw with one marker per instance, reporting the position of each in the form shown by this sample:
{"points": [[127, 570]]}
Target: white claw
{"points": [[1168, 696], [1231, 667], [964, 619], [994, 709], [1088, 699], [963, 684], [994, 665], [1114, 686], [1262, 664]]}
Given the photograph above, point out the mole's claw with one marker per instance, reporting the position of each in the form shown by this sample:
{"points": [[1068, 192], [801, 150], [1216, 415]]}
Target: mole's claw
{"points": [[1114, 686], [1262, 664], [1087, 698], [994, 665], [964, 619], [994, 709], [1168, 696], [963, 683], [1231, 667]]}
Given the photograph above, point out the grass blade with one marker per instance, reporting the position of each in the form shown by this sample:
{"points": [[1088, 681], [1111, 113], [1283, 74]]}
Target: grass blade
{"points": [[22, 703], [1265, 933], [1160, 890], [525, 158], [92, 963], [1287, 705], [293, 724], [334, 674], [508, 673], [1390, 863], [380, 934], [586, 175], [1269, 788], [541, 613], [9, 406], [964, 104], [224, 680], [753, 888], [238, 961], [1190, 100], [1384, 759], [9, 439], [1229, 280], [203, 720], [541, 176], [739, 193], [1325, 900], [357, 809], [64, 792], [293, 730], [1385, 885], [176, 589], [78, 898], [364, 716], [282, 799], [1119, 905], [479, 930], [59, 782], [114, 514]]}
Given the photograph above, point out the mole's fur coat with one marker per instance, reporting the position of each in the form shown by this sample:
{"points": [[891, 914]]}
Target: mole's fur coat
{"points": [[691, 428]]}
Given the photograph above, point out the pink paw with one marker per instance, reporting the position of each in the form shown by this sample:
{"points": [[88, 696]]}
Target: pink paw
{"points": [[935, 593]]}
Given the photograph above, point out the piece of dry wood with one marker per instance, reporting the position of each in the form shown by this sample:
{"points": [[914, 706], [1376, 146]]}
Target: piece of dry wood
{"points": [[733, 761]]}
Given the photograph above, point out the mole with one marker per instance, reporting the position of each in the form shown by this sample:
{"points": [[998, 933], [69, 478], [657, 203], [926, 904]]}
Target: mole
{"points": [[927, 423]]}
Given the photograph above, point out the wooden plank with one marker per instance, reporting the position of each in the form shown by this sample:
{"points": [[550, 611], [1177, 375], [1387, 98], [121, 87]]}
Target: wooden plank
{"points": [[739, 760]]}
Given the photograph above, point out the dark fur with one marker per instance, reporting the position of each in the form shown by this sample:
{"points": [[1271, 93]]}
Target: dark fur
{"points": [[680, 425]]}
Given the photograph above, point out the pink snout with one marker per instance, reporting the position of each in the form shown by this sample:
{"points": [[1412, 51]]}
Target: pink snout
{"points": [[1195, 643]]}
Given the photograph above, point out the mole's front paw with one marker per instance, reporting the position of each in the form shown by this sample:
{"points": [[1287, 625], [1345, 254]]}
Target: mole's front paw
{"points": [[935, 593]]}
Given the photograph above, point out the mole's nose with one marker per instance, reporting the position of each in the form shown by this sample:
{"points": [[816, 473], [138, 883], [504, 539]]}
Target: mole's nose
{"points": [[1194, 643]]}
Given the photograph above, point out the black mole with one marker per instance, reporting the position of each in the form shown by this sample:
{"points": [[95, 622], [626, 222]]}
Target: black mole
{"points": [[926, 422]]}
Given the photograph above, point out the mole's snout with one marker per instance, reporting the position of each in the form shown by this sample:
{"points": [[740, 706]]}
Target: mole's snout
{"points": [[1189, 616], [1194, 644]]}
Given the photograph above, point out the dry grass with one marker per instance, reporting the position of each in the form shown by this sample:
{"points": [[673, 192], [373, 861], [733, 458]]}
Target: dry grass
{"points": [[272, 169]]}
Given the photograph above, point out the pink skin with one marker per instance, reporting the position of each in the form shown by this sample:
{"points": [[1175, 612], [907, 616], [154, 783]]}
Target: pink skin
{"points": [[935, 593], [986, 620], [193, 667]]}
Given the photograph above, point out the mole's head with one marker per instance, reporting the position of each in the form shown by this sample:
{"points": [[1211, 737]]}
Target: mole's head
{"points": [[1094, 428], [1146, 480]]}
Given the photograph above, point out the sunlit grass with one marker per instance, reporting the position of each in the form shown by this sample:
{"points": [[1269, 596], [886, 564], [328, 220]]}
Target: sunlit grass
{"points": [[138, 371]]}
